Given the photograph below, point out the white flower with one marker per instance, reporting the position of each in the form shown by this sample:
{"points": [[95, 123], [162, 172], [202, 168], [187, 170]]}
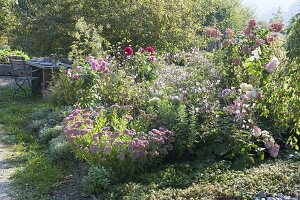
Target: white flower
{"points": [[246, 87], [255, 54]]}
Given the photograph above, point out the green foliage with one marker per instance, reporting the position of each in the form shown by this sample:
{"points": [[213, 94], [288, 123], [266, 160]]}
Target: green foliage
{"points": [[46, 133], [87, 41], [167, 25], [4, 53], [97, 181], [44, 28], [7, 19], [225, 13], [38, 173], [59, 149], [293, 40]]}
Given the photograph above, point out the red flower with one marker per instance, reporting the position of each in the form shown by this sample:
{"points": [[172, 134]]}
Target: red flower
{"points": [[150, 49], [128, 51]]}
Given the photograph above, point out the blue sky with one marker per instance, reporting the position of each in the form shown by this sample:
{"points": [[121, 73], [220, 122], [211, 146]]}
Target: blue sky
{"points": [[265, 8]]}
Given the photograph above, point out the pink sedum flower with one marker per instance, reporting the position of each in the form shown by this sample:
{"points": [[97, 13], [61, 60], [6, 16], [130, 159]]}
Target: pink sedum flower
{"points": [[272, 65]]}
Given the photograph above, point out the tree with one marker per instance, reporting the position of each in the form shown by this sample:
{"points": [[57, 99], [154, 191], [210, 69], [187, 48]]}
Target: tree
{"points": [[6, 20], [277, 16]]}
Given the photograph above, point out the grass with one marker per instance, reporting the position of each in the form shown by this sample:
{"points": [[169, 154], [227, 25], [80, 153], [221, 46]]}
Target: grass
{"points": [[36, 173]]}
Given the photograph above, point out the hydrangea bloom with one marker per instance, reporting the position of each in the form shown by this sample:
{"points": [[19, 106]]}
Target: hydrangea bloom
{"points": [[246, 87], [213, 32], [252, 23], [276, 26], [272, 65]]}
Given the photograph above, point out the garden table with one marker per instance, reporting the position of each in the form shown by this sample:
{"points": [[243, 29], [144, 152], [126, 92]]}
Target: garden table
{"points": [[44, 72]]}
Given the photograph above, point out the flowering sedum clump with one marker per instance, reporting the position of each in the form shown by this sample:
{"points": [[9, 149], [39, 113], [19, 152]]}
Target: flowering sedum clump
{"points": [[113, 136]]}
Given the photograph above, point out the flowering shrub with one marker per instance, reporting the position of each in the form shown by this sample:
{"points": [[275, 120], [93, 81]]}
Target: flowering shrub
{"points": [[115, 138], [247, 56], [141, 65], [243, 110]]}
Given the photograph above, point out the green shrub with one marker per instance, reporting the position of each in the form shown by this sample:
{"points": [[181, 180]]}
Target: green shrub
{"points": [[46, 134], [60, 149], [97, 181], [4, 53]]}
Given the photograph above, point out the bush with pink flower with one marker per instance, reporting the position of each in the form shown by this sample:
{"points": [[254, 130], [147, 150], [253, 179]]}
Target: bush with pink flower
{"points": [[117, 138]]}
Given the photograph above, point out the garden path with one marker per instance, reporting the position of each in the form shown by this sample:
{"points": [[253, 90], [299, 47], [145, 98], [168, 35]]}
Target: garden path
{"points": [[6, 170]]}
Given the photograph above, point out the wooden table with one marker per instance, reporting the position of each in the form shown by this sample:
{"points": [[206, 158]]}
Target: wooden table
{"points": [[44, 73]]}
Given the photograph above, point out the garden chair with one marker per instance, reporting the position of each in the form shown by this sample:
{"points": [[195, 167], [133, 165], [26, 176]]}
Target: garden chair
{"points": [[21, 72]]}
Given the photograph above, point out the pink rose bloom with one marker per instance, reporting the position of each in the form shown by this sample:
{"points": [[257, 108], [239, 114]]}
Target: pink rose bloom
{"points": [[274, 151], [76, 76], [245, 49], [252, 23], [236, 61], [276, 26], [141, 49], [69, 73], [152, 59], [150, 49], [128, 51], [256, 131], [229, 31], [272, 65]]}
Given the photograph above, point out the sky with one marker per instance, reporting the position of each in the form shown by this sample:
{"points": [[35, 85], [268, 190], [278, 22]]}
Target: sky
{"points": [[265, 8]]}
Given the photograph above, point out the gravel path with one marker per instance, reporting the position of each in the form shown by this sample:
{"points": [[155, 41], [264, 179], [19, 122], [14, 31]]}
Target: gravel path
{"points": [[7, 81], [6, 170]]}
